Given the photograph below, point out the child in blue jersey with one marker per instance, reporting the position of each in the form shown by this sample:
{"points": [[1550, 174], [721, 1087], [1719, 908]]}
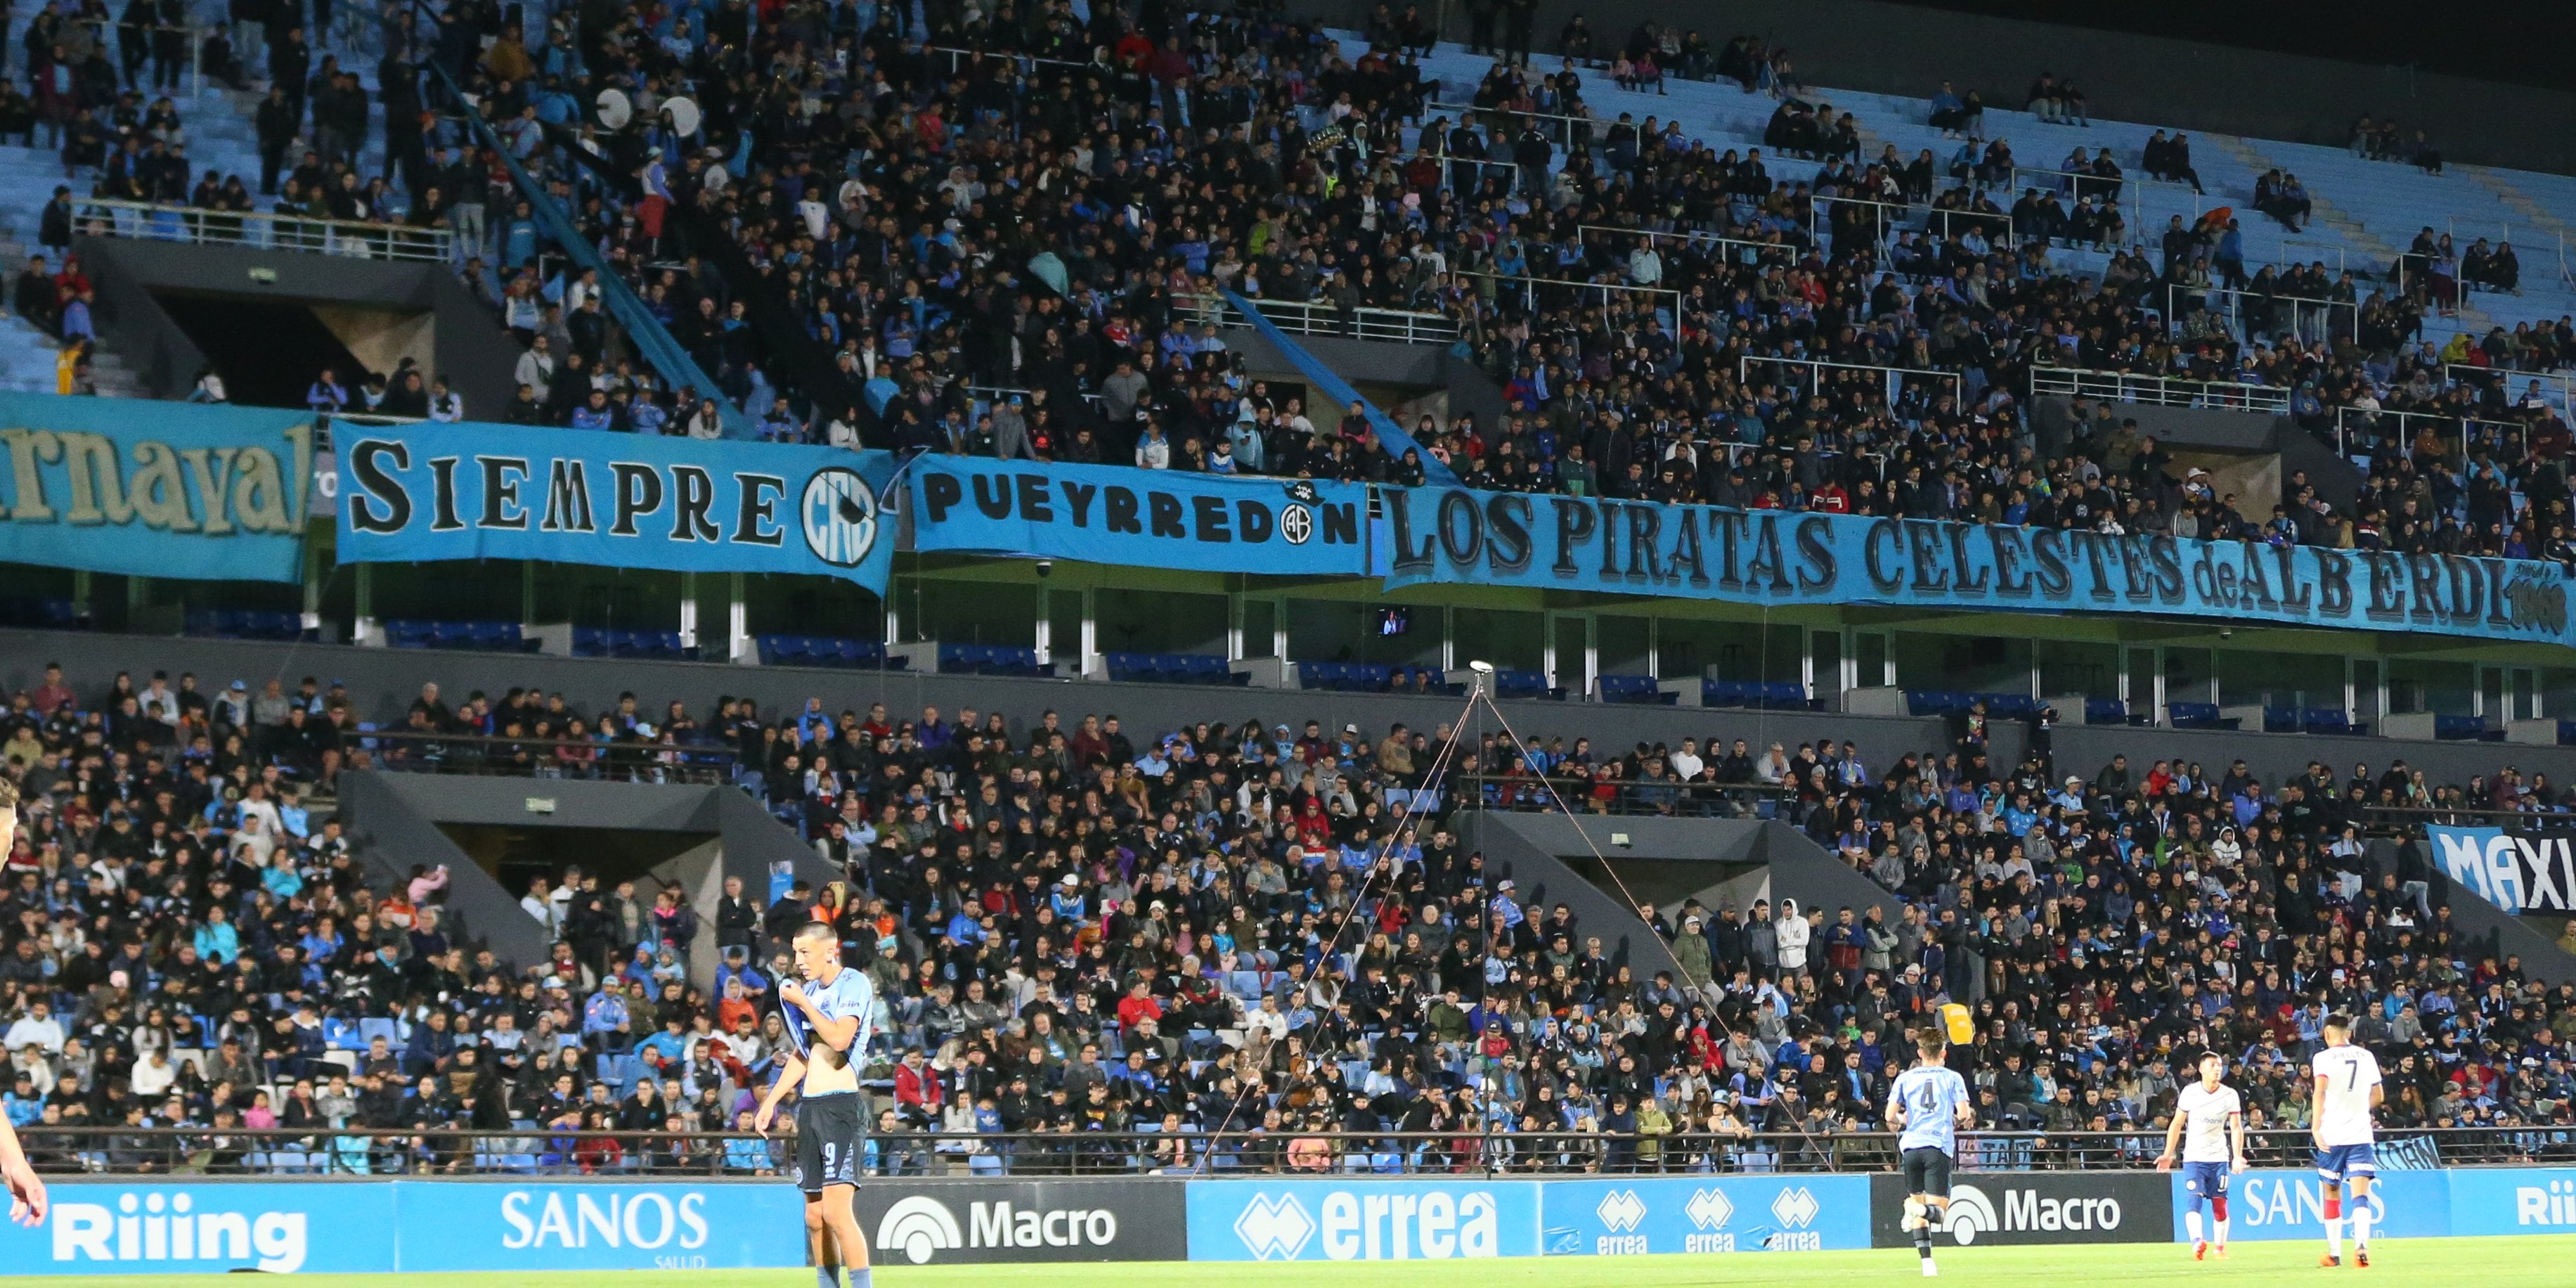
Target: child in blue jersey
{"points": [[1928, 1104]]}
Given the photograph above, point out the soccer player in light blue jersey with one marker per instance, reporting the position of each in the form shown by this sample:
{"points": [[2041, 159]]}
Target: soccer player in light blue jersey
{"points": [[1928, 1104], [829, 1016]]}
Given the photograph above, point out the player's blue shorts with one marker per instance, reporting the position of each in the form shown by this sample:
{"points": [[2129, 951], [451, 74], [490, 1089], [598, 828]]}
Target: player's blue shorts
{"points": [[2204, 1180], [2337, 1162]]}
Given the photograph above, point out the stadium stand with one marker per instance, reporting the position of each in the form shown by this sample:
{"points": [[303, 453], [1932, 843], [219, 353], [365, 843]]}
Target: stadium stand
{"points": [[1132, 928], [1148, 929]]}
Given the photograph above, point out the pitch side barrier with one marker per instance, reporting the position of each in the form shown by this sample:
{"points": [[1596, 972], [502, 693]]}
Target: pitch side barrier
{"points": [[103, 1226]]}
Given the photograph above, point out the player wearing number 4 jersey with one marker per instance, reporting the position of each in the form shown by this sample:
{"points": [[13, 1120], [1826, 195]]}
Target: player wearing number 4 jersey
{"points": [[1928, 1103], [2346, 1090], [2209, 1128]]}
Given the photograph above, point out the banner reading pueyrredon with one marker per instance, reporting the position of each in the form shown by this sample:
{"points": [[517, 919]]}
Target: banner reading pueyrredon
{"points": [[420, 492], [152, 489], [1780, 557], [1140, 518]]}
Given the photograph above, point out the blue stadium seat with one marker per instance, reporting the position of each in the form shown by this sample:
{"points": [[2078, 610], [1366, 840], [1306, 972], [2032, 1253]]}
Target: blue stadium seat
{"points": [[1635, 690], [782, 650], [2197, 715]]}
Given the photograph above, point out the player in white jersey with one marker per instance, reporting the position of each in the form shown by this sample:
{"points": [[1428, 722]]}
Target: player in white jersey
{"points": [[2346, 1090], [2209, 1129]]}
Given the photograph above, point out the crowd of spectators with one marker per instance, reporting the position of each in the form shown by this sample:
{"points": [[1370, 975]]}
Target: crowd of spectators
{"points": [[1004, 228], [1265, 930]]}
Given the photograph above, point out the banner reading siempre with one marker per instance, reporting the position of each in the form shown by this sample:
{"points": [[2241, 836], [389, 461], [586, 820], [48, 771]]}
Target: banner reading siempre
{"points": [[108, 485], [2525, 868], [1120, 515], [1453, 535], [466, 491]]}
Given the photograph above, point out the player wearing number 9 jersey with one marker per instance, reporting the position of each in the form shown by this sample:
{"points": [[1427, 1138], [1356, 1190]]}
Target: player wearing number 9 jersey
{"points": [[2346, 1089]]}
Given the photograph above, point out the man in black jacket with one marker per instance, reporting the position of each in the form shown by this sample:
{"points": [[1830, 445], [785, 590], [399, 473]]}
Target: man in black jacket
{"points": [[275, 122]]}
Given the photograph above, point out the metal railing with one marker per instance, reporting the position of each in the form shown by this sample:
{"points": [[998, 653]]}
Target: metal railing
{"points": [[2158, 391], [406, 751], [957, 55], [1524, 793], [1409, 326], [357, 239], [1532, 289], [323, 1152], [2501, 380], [1893, 379], [2360, 431], [1733, 250], [2310, 320]]}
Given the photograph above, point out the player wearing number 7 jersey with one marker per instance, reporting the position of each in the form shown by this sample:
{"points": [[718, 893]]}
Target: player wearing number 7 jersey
{"points": [[2346, 1090]]}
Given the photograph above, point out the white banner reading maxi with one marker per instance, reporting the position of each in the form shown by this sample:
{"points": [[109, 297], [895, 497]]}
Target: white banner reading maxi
{"points": [[2519, 869]]}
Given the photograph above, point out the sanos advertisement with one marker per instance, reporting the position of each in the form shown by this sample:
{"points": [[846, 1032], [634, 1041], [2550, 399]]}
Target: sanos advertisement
{"points": [[505, 1225], [1361, 1219], [951, 1222], [2286, 1204], [164, 1229], [1634, 1216]]}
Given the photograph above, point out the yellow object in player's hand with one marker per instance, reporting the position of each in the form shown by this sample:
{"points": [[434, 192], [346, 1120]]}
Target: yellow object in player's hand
{"points": [[1955, 1018]]}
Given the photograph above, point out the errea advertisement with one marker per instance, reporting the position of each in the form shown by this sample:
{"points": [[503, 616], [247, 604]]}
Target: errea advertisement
{"points": [[1648, 1214], [409, 493], [1362, 1218]]}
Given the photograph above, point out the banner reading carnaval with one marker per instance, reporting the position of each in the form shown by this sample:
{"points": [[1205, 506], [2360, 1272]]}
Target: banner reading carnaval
{"points": [[1120, 515], [1452, 535], [465, 491], [219, 493]]}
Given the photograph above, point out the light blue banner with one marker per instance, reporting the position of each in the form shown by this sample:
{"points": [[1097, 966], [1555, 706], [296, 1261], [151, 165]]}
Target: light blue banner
{"points": [[1140, 518], [380, 1226], [2516, 1200], [160, 1229], [1638, 1215], [1358, 1218], [2526, 869], [1455, 535], [498, 1225], [2286, 1204], [420, 492], [155, 489]]}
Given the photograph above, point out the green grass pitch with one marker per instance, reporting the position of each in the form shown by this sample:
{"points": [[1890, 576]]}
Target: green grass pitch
{"points": [[2473, 1263]]}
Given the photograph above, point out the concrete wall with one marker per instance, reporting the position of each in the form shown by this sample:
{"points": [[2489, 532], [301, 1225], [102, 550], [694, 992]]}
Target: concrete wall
{"points": [[396, 818], [384, 681], [463, 341]]}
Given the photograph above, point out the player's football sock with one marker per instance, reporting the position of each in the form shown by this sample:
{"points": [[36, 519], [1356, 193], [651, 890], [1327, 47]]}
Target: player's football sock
{"points": [[2191, 1224], [2334, 1236], [1923, 1241], [2222, 1234], [827, 1276], [860, 1277], [2361, 1226]]}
